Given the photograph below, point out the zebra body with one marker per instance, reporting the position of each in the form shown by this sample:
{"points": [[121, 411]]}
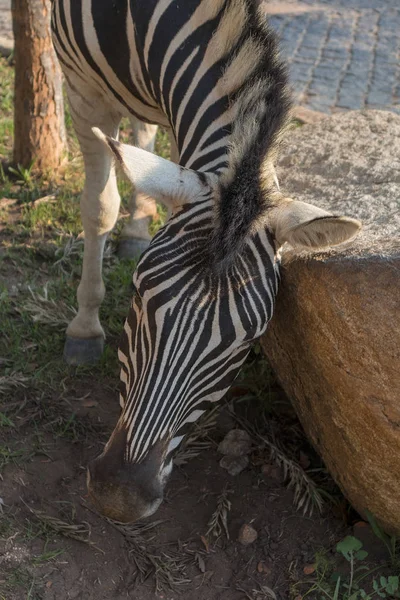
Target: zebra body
{"points": [[208, 71]]}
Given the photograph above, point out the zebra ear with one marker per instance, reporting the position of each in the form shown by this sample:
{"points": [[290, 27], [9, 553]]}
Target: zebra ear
{"points": [[304, 225], [157, 177]]}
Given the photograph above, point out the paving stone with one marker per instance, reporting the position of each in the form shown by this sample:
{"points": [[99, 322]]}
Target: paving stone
{"points": [[379, 98], [345, 54], [354, 45]]}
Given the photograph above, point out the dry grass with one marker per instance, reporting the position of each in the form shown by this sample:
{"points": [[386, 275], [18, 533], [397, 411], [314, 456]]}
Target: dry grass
{"points": [[167, 565], [76, 531], [71, 249], [198, 439], [307, 496], [262, 593], [46, 311], [13, 381], [218, 522]]}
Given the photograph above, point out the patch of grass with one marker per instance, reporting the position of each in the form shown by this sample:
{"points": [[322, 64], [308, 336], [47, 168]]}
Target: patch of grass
{"points": [[21, 578], [24, 174], [6, 136], [12, 382], [163, 144], [13, 455], [46, 311], [47, 556], [5, 421], [390, 541], [47, 218], [6, 107], [347, 575]]}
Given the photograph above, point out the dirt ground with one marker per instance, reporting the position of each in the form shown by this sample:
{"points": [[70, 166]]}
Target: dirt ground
{"points": [[202, 567], [176, 557]]}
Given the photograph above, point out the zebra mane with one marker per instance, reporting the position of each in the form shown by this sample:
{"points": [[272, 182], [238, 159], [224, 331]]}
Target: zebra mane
{"points": [[256, 83]]}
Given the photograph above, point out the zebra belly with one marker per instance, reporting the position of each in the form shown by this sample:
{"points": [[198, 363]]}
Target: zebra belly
{"points": [[107, 70]]}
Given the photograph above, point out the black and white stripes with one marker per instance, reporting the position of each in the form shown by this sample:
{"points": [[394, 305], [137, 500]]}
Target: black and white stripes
{"points": [[189, 329], [209, 71], [196, 66]]}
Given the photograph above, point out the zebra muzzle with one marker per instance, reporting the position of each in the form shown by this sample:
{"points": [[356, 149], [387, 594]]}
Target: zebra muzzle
{"points": [[124, 491]]}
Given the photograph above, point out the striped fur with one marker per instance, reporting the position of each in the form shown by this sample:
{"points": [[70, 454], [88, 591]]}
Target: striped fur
{"points": [[209, 71], [188, 329], [219, 66]]}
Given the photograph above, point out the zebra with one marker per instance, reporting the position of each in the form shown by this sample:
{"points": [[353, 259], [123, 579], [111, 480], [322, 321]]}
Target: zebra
{"points": [[208, 71]]}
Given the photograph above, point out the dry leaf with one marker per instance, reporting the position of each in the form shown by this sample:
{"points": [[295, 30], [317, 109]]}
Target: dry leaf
{"points": [[309, 569], [89, 403], [205, 542], [262, 567]]}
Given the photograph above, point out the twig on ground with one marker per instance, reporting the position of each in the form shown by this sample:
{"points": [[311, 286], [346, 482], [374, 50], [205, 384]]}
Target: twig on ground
{"points": [[198, 439], [306, 493], [218, 522], [167, 566], [73, 247], [76, 531]]}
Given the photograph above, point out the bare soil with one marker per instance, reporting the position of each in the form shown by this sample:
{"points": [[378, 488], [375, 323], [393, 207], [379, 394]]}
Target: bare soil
{"points": [[215, 569]]}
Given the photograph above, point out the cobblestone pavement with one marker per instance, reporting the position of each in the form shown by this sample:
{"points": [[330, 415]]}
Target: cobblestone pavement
{"points": [[6, 36], [5, 19], [343, 54]]}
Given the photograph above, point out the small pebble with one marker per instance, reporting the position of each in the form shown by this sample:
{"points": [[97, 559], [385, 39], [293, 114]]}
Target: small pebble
{"points": [[309, 569], [262, 567], [247, 535], [274, 546], [234, 464], [271, 471], [236, 443]]}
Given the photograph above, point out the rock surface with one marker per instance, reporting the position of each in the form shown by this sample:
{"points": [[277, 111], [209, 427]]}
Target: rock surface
{"points": [[234, 464], [247, 535], [307, 116], [237, 442], [334, 341]]}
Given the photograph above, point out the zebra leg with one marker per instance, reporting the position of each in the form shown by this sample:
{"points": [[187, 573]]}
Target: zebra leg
{"points": [[99, 211], [135, 237]]}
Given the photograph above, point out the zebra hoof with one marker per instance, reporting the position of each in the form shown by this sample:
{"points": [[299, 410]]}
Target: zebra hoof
{"points": [[78, 351], [132, 248]]}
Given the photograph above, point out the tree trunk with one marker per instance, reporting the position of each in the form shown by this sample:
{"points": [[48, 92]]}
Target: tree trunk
{"points": [[39, 130]]}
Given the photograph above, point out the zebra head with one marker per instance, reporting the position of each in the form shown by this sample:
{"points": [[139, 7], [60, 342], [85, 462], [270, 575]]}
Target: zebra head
{"points": [[191, 322]]}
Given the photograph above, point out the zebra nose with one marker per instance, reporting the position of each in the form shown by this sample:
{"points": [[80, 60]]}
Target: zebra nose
{"points": [[123, 500], [121, 490]]}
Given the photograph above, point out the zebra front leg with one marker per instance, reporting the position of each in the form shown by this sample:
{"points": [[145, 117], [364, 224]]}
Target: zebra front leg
{"points": [[99, 210], [135, 237]]}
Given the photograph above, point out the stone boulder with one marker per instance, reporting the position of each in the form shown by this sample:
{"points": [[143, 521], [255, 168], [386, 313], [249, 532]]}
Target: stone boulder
{"points": [[334, 341]]}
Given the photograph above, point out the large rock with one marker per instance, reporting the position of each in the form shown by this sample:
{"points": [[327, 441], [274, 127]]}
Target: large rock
{"points": [[334, 341]]}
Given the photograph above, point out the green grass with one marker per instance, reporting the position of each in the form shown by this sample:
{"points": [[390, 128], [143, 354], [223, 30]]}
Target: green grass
{"points": [[16, 457], [21, 578], [47, 556], [348, 574], [42, 248], [6, 108]]}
